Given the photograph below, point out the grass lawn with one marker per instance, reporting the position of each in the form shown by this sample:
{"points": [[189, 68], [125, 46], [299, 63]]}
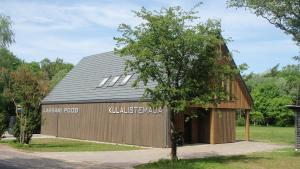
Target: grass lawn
{"points": [[284, 158], [65, 145], [285, 135]]}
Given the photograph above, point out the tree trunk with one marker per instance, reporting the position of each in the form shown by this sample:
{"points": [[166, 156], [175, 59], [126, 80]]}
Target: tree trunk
{"points": [[173, 136], [174, 148]]}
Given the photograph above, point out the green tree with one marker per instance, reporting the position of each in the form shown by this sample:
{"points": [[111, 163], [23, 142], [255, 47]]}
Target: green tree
{"points": [[271, 95], [284, 14], [291, 73], [256, 118], [8, 60], [184, 60], [278, 110], [52, 68], [58, 77], [8, 63], [6, 33], [242, 68], [273, 72], [33, 66], [26, 89], [2, 124]]}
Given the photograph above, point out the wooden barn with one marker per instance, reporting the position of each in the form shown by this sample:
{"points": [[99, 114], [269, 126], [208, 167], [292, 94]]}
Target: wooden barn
{"points": [[95, 101]]}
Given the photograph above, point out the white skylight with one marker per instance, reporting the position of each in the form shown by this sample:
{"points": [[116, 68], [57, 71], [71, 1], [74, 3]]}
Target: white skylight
{"points": [[114, 81], [125, 80], [102, 83]]}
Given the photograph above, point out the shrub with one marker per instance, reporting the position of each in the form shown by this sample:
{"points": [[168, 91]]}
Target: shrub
{"points": [[257, 118], [2, 124], [28, 131], [240, 121]]}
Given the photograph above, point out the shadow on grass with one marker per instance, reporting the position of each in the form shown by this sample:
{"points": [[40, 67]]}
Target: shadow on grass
{"points": [[200, 163], [231, 159]]}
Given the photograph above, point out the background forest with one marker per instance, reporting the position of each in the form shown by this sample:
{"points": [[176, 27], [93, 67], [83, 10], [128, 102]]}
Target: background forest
{"points": [[271, 92], [13, 72]]}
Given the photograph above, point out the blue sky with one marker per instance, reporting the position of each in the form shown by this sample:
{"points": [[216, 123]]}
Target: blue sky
{"points": [[74, 29]]}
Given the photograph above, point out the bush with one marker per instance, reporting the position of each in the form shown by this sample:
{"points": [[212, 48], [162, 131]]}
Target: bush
{"points": [[16, 130], [257, 118], [2, 124], [240, 121], [27, 133]]}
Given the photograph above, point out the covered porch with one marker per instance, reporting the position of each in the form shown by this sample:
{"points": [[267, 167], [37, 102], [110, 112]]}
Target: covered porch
{"points": [[211, 126]]}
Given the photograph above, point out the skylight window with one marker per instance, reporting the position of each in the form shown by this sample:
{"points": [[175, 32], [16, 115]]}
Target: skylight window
{"points": [[114, 81], [102, 83], [125, 80]]}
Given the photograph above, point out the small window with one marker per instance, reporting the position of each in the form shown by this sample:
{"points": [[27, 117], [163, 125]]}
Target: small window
{"points": [[102, 83], [114, 81], [125, 80]]}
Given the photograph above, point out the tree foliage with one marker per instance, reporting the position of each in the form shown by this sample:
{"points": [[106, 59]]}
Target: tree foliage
{"points": [[185, 60], [2, 124], [52, 68], [58, 77], [257, 118], [284, 14], [24, 85], [8, 63], [26, 89], [271, 92], [6, 33]]}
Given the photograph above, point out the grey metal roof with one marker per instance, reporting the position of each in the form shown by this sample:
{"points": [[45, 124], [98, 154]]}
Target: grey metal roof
{"points": [[80, 84]]}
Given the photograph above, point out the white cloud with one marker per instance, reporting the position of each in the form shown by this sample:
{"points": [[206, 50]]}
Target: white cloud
{"points": [[41, 28], [70, 50], [39, 16], [73, 29]]}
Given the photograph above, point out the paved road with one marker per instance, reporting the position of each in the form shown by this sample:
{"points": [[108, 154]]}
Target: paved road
{"points": [[12, 159]]}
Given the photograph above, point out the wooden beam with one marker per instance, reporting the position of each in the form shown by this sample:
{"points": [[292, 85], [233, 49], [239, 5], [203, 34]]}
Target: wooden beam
{"points": [[247, 125]]}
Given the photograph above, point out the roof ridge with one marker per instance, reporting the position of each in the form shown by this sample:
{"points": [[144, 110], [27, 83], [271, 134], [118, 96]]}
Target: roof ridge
{"points": [[98, 54]]}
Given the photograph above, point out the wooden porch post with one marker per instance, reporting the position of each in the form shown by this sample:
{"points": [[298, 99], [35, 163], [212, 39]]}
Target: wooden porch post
{"points": [[247, 125], [212, 127]]}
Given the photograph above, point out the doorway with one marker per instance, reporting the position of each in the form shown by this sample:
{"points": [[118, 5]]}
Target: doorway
{"points": [[187, 134], [197, 130]]}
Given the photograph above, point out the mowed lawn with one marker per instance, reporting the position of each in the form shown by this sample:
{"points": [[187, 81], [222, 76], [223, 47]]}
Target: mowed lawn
{"points": [[282, 135], [66, 145], [280, 159], [284, 158]]}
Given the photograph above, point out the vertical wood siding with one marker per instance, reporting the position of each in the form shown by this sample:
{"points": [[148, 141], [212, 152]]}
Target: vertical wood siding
{"points": [[222, 126], [297, 129], [240, 100], [94, 122]]}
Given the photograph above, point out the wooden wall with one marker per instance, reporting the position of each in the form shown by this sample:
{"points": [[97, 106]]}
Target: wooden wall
{"points": [[297, 129], [94, 122], [240, 99], [215, 126], [223, 126]]}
